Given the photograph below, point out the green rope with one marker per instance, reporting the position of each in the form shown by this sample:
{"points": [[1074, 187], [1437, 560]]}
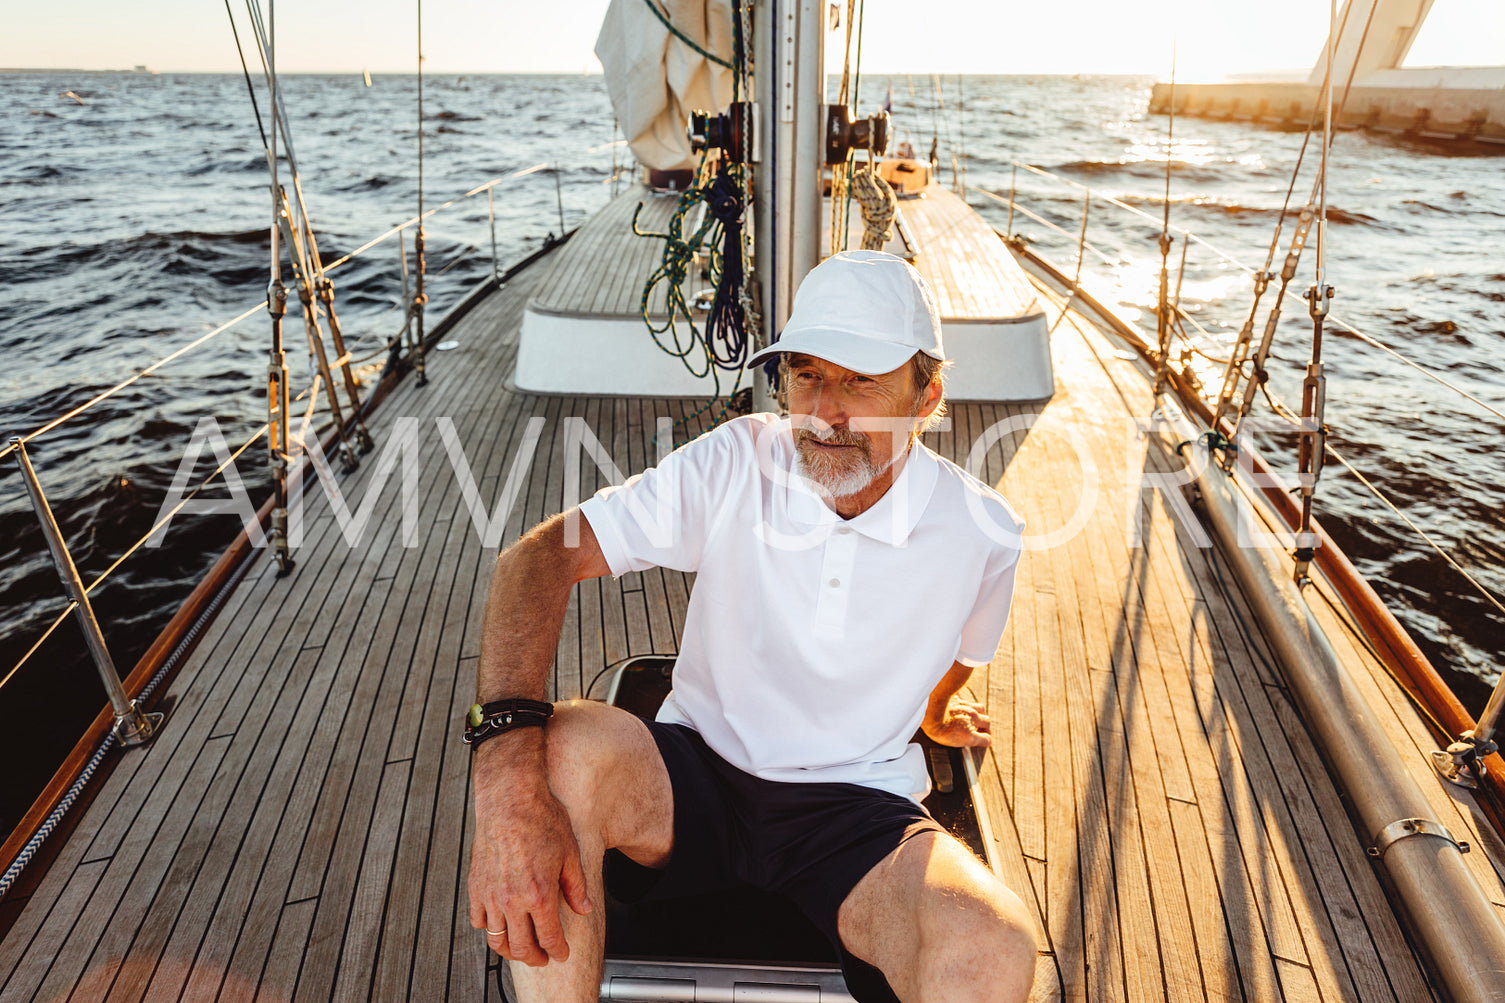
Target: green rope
{"points": [[674, 268], [664, 18], [680, 249]]}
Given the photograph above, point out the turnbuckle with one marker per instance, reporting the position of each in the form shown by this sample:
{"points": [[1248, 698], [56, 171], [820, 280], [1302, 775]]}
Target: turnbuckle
{"points": [[277, 299]]}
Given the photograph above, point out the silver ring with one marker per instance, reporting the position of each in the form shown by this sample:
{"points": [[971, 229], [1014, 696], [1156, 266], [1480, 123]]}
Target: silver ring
{"points": [[497, 933]]}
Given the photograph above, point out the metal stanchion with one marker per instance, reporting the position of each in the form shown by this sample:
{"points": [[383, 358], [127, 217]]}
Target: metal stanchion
{"points": [[496, 268], [132, 727]]}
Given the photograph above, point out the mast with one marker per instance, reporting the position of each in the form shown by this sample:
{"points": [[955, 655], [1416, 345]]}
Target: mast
{"points": [[789, 81]]}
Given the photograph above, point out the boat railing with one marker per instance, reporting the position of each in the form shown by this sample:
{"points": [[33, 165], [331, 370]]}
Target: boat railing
{"points": [[1470, 745], [131, 726]]}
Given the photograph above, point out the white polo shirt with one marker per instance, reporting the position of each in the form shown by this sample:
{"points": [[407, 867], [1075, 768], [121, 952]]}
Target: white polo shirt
{"points": [[812, 642]]}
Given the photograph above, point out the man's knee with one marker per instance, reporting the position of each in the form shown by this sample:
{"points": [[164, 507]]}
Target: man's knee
{"points": [[586, 741], [986, 932], [1001, 930], [605, 769]]}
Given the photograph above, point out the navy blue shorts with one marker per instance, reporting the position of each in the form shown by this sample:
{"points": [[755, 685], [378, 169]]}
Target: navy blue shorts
{"points": [[810, 842]]}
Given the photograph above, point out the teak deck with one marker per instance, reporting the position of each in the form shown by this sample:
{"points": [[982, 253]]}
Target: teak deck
{"points": [[300, 829]]}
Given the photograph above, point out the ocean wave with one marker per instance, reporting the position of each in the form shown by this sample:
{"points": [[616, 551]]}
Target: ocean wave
{"points": [[41, 174]]}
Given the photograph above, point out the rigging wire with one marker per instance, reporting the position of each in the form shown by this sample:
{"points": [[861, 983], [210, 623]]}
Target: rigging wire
{"points": [[664, 20], [1162, 313], [841, 174], [1284, 410], [244, 69]]}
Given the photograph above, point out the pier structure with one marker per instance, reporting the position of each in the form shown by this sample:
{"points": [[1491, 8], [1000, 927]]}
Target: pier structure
{"points": [[1374, 37]]}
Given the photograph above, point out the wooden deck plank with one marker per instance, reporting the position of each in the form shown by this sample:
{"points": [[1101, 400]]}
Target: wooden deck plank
{"points": [[119, 799], [1227, 821], [194, 934], [121, 897], [420, 887], [33, 966], [1295, 828], [161, 911], [1029, 716], [310, 873], [328, 866], [1311, 873], [205, 703], [1138, 687], [258, 883], [445, 862], [1226, 806], [1134, 643], [358, 957], [1137, 907], [1152, 896], [1064, 877], [281, 975]]}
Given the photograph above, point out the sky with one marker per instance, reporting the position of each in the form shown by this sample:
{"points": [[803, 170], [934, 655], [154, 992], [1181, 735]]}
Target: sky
{"points": [[1210, 37]]}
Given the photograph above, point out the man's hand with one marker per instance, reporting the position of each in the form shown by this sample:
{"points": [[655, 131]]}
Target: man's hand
{"points": [[524, 859], [962, 723]]}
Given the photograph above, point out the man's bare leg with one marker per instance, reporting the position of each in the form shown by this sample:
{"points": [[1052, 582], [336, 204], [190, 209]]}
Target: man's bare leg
{"points": [[605, 768], [940, 926]]}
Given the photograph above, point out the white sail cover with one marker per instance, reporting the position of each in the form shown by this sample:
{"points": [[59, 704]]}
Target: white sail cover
{"points": [[655, 80]]}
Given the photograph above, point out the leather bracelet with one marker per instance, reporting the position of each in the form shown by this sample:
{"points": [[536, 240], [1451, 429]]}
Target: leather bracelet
{"points": [[486, 721]]}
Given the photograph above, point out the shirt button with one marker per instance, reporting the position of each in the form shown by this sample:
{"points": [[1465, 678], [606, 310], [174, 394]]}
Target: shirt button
{"points": [[843, 530], [835, 583]]}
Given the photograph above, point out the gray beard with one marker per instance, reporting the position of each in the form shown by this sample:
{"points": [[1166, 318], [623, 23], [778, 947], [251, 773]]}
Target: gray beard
{"points": [[836, 478]]}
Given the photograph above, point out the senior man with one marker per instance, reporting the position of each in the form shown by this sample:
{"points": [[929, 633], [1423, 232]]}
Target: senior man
{"points": [[849, 580]]}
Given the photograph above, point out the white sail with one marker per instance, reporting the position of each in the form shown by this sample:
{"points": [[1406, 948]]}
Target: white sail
{"points": [[655, 80]]}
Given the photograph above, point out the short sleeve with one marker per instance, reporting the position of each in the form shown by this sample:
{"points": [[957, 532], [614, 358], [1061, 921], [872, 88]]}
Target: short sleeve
{"points": [[990, 614], [661, 517]]}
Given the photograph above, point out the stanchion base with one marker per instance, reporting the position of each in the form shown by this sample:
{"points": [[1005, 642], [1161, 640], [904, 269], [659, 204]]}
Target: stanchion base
{"points": [[136, 728], [1454, 773]]}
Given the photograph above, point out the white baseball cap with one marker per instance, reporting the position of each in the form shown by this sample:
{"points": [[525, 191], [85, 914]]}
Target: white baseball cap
{"points": [[867, 311]]}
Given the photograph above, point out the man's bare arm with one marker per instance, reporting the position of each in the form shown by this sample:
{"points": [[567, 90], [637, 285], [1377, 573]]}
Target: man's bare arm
{"points": [[951, 720], [525, 857], [530, 591]]}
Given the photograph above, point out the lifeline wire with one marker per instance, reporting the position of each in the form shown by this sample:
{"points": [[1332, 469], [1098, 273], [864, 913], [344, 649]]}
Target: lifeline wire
{"points": [[1224, 255]]}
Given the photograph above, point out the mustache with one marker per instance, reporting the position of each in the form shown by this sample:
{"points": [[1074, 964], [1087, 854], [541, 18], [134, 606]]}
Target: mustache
{"points": [[830, 435]]}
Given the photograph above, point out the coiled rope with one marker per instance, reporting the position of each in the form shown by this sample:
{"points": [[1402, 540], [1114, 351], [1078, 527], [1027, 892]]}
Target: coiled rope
{"points": [[723, 344]]}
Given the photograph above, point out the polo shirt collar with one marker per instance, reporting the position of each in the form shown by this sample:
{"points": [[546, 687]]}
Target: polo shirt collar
{"points": [[892, 518]]}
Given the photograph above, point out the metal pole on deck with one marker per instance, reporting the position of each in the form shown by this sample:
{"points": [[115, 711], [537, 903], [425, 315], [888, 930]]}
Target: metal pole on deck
{"points": [[789, 80], [132, 727], [761, 207]]}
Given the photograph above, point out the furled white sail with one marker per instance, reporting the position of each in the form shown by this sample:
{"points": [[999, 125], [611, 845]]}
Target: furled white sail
{"points": [[655, 80]]}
